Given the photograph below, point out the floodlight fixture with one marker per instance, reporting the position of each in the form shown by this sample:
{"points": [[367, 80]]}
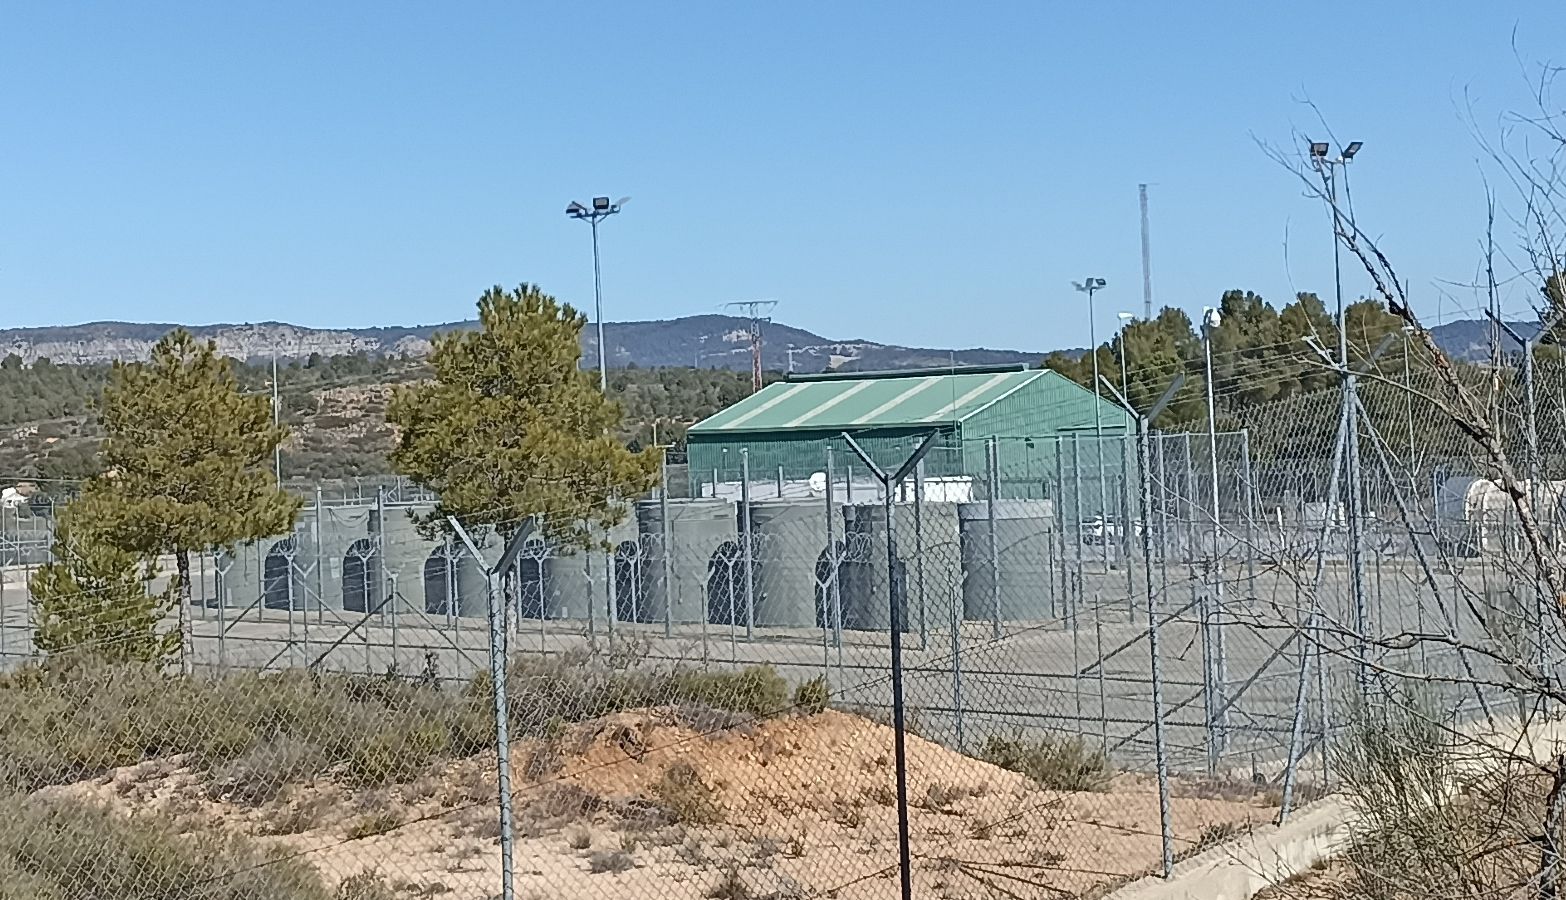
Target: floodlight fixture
{"points": [[576, 209], [1352, 148], [1318, 149], [600, 204]]}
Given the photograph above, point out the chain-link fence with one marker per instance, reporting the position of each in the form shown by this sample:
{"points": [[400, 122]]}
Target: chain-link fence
{"points": [[703, 705]]}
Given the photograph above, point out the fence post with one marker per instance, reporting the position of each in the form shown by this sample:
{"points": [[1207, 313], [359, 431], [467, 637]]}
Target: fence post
{"points": [[747, 548], [1159, 751], [992, 485], [832, 600], [1103, 704], [1076, 502], [919, 549], [663, 548], [497, 679], [1250, 506]]}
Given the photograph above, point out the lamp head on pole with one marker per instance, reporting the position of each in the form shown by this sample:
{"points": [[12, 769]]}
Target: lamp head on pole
{"points": [[1318, 149], [1211, 317], [1352, 148]]}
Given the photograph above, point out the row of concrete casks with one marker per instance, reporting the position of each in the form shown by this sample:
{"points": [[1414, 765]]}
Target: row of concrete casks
{"points": [[800, 580], [797, 579]]}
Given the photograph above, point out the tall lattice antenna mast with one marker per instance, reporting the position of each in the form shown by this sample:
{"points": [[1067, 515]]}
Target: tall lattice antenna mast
{"points": [[759, 312]]}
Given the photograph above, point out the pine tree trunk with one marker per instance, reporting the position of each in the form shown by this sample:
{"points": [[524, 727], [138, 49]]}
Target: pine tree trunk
{"points": [[186, 640]]}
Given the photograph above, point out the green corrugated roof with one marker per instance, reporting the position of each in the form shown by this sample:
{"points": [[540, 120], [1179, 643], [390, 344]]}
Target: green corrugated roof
{"points": [[879, 400]]}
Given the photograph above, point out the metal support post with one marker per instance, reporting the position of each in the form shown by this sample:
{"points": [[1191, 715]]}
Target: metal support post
{"points": [[833, 611], [919, 551], [889, 483], [1076, 498], [498, 676], [748, 546], [992, 545], [1059, 510], [666, 564], [1160, 752]]}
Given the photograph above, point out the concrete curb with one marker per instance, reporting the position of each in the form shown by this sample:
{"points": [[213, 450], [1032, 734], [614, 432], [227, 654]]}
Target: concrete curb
{"points": [[1241, 868]]}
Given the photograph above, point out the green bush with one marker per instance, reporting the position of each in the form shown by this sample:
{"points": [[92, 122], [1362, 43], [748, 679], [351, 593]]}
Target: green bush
{"points": [[1062, 764]]}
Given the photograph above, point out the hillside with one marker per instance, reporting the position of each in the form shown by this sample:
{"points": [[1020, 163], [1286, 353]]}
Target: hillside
{"points": [[704, 341], [335, 407]]}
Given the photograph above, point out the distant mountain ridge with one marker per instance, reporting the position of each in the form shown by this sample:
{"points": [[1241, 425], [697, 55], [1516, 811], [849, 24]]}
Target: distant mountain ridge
{"points": [[704, 341]]}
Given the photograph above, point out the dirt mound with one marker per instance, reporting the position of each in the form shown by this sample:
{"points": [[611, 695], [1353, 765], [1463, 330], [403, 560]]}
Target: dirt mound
{"points": [[763, 773], [688, 802]]}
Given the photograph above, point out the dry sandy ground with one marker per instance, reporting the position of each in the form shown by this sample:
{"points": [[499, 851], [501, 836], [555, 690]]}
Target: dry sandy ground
{"points": [[782, 808]]}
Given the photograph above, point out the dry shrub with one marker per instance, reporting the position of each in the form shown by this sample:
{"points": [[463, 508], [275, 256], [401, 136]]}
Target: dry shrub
{"points": [[730, 887], [60, 849], [812, 696], [1435, 818], [251, 734], [687, 798], [261, 774], [578, 686], [940, 797], [882, 794], [552, 807], [610, 861], [1061, 764], [365, 886], [372, 825]]}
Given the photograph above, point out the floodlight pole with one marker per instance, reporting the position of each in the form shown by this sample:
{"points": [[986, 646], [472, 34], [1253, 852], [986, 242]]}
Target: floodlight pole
{"points": [[601, 209], [1090, 286], [895, 599], [1329, 167], [1213, 619]]}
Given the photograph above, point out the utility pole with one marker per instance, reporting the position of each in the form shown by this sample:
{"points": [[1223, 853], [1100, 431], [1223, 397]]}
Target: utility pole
{"points": [[1147, 260], [277, 419], [758, 312]]}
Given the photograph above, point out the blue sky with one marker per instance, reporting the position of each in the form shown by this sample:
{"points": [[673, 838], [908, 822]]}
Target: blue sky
{"points": [[924, 173]]}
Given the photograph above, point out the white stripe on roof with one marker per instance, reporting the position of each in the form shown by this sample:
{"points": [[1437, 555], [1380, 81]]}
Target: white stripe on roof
{"points": [[924, 383], [782, 395], [836, 399], [957, 404], [1008, 392]]}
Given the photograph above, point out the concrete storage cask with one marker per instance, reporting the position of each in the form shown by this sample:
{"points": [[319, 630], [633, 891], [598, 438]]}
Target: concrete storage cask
{"points": [[928, 568], [1022, 586], [576, 579], [703, 541], [789, 538]]}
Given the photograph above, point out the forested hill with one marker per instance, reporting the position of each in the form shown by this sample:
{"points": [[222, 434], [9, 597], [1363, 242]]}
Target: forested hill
{"points": [[334, 405]]}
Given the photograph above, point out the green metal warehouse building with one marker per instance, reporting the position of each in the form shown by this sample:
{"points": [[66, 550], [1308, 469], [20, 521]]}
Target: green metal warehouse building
{"points": [[1041, 422]]}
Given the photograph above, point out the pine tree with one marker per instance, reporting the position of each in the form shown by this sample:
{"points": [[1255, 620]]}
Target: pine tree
{"points": [[186, 459], [93, 597], [512, 428]]}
